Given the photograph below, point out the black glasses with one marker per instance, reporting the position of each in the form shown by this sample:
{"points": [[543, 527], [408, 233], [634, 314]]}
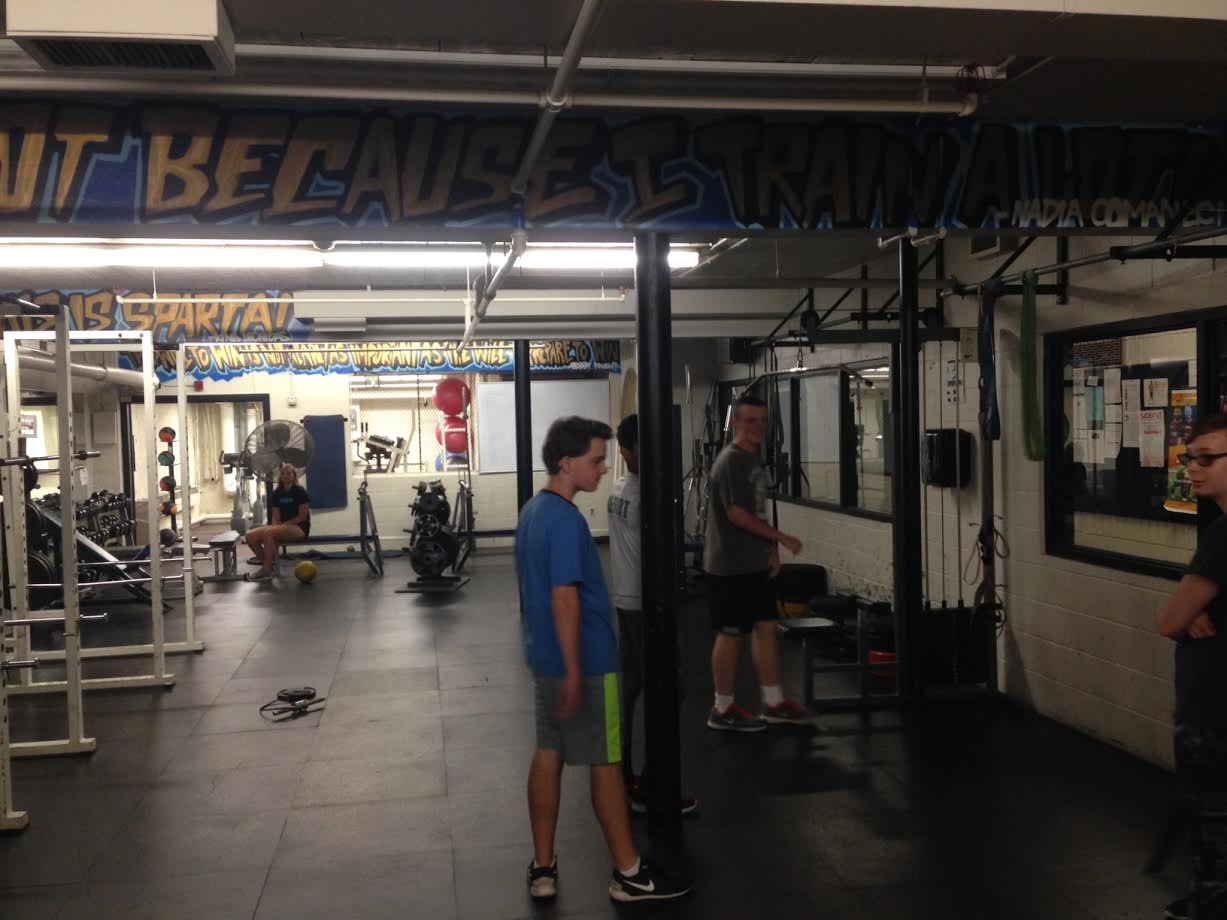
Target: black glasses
{"points": [[1199, 459]]}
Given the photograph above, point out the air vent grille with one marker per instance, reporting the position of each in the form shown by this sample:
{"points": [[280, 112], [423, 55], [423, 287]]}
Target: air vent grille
{"points": [[105, 55]]}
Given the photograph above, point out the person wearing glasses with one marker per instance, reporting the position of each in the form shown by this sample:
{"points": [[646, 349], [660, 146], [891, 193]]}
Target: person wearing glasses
{"points": [[1195, 618]]}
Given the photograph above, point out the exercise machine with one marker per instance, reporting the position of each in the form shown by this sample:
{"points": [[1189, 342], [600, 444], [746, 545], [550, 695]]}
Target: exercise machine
{"points": [[441, 539]]}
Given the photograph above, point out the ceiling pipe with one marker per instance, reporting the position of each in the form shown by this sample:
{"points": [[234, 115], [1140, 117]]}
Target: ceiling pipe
{"points": [[218, 89], [557, 98], [519, 240], [718, 251], [415, 57], [559, 95], [113, 375]]}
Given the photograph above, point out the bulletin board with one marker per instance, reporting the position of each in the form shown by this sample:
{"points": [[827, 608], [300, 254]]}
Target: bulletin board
{"points": [[551, 400], [1127, 424]]}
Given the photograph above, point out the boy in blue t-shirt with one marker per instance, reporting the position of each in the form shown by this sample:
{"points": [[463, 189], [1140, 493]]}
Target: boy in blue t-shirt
{"points": [[571, 645]]}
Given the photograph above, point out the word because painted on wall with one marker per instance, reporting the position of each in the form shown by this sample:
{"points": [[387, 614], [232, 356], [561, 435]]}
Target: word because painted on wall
{"points": [[225, 361], [390, 167]]}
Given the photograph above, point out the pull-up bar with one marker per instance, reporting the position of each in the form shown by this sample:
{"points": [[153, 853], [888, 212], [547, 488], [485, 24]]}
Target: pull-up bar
{"points": [[1117, 253]]}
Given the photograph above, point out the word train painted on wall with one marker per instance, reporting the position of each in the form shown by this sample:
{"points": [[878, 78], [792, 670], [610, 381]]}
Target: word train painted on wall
{"points": [[345, 169]]}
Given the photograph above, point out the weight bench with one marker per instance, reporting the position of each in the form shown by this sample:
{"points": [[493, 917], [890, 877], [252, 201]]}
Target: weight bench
{"points": [[224, 548]]}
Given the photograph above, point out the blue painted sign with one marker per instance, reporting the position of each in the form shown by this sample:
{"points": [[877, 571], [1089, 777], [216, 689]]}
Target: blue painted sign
{"points": [[346, 170]]}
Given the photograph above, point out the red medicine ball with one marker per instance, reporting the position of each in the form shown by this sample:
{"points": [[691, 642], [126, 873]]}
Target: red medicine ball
{"points": [[451, 396], [451, 433]]}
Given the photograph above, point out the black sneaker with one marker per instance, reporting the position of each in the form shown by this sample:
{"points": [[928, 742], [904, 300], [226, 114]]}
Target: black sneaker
{"points": [[543, 880], [1178, 910], [734, 719], [645, 885]]}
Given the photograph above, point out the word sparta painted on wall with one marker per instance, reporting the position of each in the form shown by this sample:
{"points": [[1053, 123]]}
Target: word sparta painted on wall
{"points": [[250, 332], [75, 164]]}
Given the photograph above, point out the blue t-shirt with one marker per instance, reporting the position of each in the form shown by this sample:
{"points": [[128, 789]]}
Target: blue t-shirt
{"points": [[554, 547]]}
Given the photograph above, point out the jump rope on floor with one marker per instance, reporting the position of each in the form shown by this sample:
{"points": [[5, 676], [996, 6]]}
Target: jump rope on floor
{"points": [[293, 703]]}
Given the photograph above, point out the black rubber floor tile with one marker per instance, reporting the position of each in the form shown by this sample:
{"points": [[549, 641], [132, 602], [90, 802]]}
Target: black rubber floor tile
{"points": [[238, 750], [494, 769], [390, 680], [289, 665], [483, 732], [412, 885], [321, 837], [378, 740], [206, 845], [405, 707], [476, 701], [487, 674], [205, 897], [364, 658], [238, 791], [36, 903], [341, 782]]}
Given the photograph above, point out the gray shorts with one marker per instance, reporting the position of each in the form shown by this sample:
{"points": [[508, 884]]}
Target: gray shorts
{"points": [[594, 736]]}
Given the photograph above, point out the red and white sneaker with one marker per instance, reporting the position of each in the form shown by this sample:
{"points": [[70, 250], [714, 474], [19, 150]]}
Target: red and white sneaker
{"points": [[788, 712]]}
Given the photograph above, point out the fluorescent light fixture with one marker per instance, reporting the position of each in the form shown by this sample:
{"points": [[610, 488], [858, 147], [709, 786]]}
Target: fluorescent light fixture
{"points": [[205, 257], [216, 254], [405, 258], [553, 258]]}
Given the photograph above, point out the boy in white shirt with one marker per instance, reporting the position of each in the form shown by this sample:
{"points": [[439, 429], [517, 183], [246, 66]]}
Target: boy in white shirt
{"points": [[625, 553]]}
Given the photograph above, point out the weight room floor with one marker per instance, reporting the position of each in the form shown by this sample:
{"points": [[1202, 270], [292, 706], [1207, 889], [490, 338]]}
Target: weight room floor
{"points": [[404, 798]]}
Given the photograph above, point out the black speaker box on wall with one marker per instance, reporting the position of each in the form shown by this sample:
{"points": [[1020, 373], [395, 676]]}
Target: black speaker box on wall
{"points": [[739, 351]]}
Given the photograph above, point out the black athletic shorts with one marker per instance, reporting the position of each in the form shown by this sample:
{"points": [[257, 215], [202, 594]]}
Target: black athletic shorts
{"points": [[737, 602]]}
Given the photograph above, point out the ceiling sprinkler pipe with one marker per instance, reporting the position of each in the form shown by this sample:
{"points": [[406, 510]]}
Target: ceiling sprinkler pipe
{"points": [[113, 375]]}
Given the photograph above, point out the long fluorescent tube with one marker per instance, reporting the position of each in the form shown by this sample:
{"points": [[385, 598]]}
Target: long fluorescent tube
{"points": [[405, 258], [171, 255], [208, 257]]}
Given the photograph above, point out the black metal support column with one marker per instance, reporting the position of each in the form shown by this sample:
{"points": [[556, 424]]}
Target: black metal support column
{"points": [[906, 479], [660, 495], [524, 423]]}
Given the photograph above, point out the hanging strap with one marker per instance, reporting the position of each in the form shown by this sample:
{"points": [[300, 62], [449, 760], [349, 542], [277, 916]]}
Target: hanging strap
{"points": [[990, 415], [1033, 420]]}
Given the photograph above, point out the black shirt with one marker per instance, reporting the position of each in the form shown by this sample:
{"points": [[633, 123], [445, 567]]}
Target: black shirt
{"points": [[288, 503], [1201, 664]]}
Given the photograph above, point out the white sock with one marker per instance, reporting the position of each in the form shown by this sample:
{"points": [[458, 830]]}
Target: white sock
{"points": [[632, 871], [537, 865], [773, 696], [723, 702]]}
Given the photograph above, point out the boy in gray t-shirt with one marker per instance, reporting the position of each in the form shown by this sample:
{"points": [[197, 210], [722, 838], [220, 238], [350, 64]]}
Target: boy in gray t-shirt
{"points": [[741, 556]]}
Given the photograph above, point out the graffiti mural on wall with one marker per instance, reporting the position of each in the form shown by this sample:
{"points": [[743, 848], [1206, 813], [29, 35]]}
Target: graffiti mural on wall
{"points": [[227, 360], [384, 168], [251, 332]]}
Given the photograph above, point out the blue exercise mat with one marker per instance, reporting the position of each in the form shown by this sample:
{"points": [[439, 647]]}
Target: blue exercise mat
{"points": [[327, 478]]}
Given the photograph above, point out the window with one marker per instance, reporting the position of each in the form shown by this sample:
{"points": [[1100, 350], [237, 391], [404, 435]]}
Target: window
{"points": [[1120, 405]]}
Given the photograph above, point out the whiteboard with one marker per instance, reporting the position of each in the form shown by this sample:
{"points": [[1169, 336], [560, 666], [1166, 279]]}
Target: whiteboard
{"points": [[551, 400]]}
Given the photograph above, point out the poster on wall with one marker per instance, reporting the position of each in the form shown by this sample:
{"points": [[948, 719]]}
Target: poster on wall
{"points": [[1180, 496], [1154, 392], [1152, 438], [1131, 395]]}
